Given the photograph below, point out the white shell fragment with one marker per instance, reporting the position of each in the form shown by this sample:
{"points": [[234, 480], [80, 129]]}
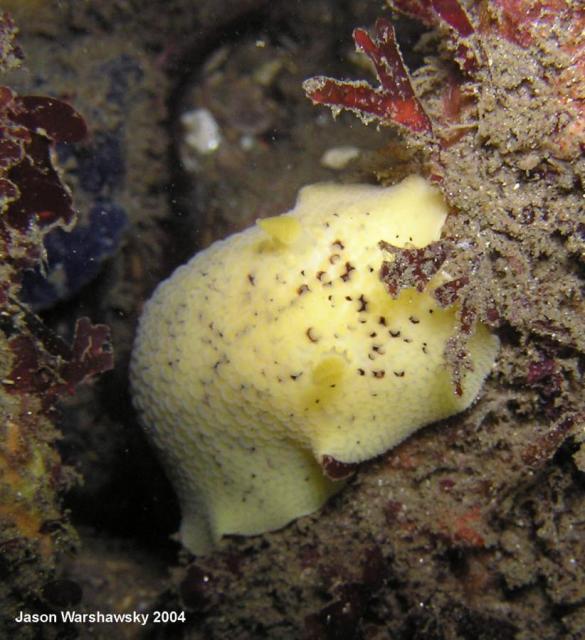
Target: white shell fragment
{"points": [[202, 132], [338, 158]]}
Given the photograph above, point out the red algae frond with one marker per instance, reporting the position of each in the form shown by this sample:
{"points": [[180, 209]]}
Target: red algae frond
{"points": [[393, 102]]}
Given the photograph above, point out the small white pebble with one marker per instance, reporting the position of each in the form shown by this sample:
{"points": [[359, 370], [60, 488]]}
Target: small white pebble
{"points": [[202, 132], [338, 157]]}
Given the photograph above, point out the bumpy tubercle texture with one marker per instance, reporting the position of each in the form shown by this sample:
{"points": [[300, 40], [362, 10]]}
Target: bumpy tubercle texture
{"points": [[279, 346]]}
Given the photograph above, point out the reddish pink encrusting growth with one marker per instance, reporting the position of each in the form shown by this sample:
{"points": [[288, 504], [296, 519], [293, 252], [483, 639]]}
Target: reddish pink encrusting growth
{"points": [[393, 102], [447, 293], [531, 22], [462, 529], [411, 267], [524, 21]]}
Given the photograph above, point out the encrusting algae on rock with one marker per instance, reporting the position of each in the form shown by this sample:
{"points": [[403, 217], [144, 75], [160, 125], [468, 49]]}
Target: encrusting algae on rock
{"points": [[279, 349]]}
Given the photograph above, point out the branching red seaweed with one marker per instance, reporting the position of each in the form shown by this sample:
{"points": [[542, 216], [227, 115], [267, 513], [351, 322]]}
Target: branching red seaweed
{"points": [[50, 370], [393, 102]]}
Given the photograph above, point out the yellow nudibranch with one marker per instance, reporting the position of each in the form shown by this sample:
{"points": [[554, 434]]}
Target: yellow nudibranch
{"points": [[279, 346]]}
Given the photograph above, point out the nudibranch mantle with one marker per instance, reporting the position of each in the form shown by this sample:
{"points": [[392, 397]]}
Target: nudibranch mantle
{"points": [[279, 346]]}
